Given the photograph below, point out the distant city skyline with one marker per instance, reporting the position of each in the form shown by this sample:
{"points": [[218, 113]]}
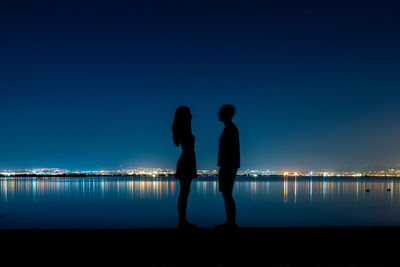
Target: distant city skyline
{"points": [[156, 172], [95, 85]]}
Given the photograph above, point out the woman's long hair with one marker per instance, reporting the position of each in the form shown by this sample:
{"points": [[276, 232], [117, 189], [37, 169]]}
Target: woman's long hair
{"points": [[182, 124]]}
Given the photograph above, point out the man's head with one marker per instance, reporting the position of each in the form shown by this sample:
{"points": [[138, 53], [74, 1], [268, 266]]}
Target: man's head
{"points": [[226, 113]]}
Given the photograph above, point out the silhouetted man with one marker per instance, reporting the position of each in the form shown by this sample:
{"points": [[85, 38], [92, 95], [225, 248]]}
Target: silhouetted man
{"points": [[229, 162]]}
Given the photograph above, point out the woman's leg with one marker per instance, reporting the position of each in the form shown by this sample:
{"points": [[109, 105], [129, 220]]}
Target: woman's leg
{"points": [[182, 200]]}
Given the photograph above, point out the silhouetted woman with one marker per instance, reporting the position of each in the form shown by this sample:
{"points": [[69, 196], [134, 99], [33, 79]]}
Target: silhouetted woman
{"points": [[186, 167]]}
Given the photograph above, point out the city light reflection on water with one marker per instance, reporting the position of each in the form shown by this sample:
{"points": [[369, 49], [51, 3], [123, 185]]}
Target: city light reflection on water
{"points": [[114, 202]]}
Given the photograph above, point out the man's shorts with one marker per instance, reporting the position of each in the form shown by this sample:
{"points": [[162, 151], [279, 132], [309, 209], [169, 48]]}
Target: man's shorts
{"points": [[226, 179]]}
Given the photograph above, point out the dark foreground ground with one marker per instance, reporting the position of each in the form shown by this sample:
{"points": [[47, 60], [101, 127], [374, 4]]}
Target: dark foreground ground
{"points": [[204, 247]]}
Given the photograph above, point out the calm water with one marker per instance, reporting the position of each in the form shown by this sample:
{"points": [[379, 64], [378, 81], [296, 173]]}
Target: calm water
{"points": [[120, 202]]}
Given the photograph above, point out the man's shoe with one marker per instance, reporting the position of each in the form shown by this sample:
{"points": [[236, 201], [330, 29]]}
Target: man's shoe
{"points": [[187, 225], [226, 225]]}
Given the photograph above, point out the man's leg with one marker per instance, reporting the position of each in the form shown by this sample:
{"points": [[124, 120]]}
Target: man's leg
{"points": [[226, 183], [230, 207]]}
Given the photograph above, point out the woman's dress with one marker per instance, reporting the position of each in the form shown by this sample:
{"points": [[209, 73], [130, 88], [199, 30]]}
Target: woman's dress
{"points": [[186, 167]]}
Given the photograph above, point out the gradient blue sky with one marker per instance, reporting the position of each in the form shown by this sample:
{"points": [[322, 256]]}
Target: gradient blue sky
{"points": [[95, 84]]}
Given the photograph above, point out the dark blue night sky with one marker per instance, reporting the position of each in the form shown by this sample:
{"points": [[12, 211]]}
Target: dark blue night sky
{"points": [[95, 84]]}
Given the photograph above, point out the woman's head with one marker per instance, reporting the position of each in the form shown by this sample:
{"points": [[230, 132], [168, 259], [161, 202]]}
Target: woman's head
{"points": [[182, 124]]}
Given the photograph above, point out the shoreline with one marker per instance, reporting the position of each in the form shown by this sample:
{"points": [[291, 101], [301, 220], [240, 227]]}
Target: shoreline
{"points": [[212, 247], [199, 176]]}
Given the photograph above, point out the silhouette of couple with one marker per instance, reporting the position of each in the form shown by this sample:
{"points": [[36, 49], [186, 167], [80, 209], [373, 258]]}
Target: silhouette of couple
{"points": [[228, 161]]}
